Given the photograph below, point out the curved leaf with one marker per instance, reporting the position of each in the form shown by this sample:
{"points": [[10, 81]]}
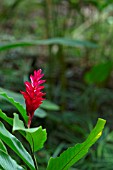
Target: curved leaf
{"points": [[7, 163], [35, 136], [16, 96], [60, 41], [20, 108], [6, 118], [73, 154], [2, 146], [19, 99], [16, 146]]}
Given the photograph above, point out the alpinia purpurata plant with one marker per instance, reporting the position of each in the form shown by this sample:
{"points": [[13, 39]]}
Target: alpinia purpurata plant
{"points": [[33, 95], [37, 136]]}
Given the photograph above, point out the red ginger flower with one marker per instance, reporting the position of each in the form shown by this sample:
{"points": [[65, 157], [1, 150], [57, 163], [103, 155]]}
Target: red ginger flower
{"points": [[33, 95]]}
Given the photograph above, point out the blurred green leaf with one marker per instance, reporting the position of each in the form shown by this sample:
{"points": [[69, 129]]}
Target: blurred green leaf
{"points": [[35, 136], [73, 154], [20, 108], [99, 73], [7, 163], [49, 105], [61, 41], [16, 146], [40, 113]]}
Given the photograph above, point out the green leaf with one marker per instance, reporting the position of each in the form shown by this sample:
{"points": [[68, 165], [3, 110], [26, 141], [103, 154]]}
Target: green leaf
{"points": [[35, 136], [16, 146], [6, 118], [60, 41], [49, 105], [73, 154], [99, 73], [16, 96], [19, 98], [40, 113], [7, 163], [2, 147], [20, 108]]}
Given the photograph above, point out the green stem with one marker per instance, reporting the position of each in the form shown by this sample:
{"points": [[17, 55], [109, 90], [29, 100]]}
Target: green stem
{"points": [[35, 161], [33, 155]]}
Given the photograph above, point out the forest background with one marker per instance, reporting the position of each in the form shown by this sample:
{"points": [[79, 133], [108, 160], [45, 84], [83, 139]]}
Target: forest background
{"points": [[71, 41]]}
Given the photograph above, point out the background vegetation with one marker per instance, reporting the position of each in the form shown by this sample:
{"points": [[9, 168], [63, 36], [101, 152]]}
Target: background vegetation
{"points": [[72, 42]]}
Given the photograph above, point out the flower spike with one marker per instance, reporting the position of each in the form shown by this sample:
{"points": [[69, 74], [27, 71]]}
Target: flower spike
{"points": [[33, 95]]}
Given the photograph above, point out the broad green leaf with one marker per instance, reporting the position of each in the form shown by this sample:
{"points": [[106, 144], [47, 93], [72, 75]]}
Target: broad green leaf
{"points": [[60, 41], [49, 105], [99, 73], [16, 146], [2, 146], [20, 108], [35, 136], [6, 118], [7, 163], [73, 154]]}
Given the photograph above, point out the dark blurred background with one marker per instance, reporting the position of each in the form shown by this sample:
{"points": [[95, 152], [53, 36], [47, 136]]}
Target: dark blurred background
{"points": [[72, 42]]}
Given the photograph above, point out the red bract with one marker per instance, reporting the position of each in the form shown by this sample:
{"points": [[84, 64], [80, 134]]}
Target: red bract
{"points": [[33, 95]]}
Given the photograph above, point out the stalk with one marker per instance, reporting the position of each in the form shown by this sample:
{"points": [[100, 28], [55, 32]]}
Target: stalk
{"points": [[62, 76], [33, 155], [48, 17], [35, 161]]}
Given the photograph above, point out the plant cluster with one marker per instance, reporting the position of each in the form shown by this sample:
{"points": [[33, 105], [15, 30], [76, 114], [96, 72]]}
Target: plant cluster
{"points": [[37, 136]]}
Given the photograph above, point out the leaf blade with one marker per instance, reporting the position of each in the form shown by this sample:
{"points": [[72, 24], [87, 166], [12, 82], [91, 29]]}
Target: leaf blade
{"points": [[99, 73], [49, 105], [61, 41], [16, 146], [35, 136], [73, 154], [19, 107], [6, 118], [2, 146], [7, 163]]}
